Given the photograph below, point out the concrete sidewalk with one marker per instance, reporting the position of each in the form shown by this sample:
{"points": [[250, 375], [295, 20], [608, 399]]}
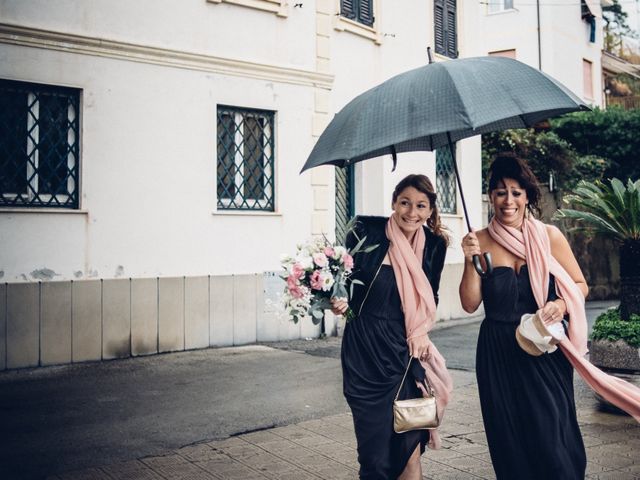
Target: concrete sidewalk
{"points": [[324, 448]]}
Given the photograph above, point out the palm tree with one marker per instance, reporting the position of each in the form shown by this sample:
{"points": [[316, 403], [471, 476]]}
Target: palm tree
{"points": [[612, 210]]}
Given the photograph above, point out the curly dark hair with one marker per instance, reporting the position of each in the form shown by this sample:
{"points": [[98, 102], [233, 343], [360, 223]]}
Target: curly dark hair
{"points": [[424, 185], [509, 165]]}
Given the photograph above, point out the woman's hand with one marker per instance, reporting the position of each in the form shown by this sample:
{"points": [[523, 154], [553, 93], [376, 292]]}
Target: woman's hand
{"points": [[339, 305], [470, 246], [553, 312], [419, 346]]}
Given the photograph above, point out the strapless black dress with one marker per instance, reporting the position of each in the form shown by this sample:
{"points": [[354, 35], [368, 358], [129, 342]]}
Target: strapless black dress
{"points": [[374, 358], [527, 402]]}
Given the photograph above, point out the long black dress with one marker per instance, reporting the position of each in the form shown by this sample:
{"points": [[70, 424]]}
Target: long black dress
{"points": [[527, 402], [374, 358]]}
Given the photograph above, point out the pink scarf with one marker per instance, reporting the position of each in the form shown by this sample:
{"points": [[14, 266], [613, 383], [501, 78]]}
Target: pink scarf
{"points": [[532, 244], [419, 309]]}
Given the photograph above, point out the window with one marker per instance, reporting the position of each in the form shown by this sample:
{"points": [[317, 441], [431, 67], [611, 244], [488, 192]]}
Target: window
{"points": [[279, 7], [39, 145], [504, 53], [499, 5], [446, 181], [245, 159], [360, 11], [587, 78], [446, 38]]}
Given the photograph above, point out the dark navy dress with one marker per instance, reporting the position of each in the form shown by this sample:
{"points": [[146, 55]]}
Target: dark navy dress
{"points": [[374, 358], [527, 402]]}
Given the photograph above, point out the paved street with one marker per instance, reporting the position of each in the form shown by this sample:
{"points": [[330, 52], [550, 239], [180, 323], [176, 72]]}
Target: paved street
{"points": [[268, 411]]}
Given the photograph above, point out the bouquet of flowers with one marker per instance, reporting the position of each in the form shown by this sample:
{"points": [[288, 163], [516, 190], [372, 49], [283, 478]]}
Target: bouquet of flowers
{"points": [[317, 272]]}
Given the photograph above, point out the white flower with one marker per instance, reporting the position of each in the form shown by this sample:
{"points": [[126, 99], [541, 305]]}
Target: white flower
{"points": [[306, 261], [327, 281], [286, 259], [339, 251]]}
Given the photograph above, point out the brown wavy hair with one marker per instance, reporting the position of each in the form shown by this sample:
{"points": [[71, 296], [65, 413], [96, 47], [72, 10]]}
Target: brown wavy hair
{"points": [[424, 185], [509, 165]]}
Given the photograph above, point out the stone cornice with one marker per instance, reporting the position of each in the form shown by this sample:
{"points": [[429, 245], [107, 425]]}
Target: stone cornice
{"points": [[84, 45]]}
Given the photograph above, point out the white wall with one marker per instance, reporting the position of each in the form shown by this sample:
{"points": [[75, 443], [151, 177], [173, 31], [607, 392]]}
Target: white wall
{"points": [[158, 124], [148, 174], [195, 26]]}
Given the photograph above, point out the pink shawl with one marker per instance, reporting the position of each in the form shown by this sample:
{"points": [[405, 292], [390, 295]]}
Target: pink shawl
{"points": [[419, 309], [532, 244]]}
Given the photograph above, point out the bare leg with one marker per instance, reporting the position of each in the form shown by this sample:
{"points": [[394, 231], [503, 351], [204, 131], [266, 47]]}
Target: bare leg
{"points": [[413, 470]]}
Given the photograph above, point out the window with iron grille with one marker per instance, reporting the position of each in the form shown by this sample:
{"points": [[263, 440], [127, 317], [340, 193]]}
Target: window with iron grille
{"points": [[445, 33], [245, 159], [39, 145], [446, 181], [360, 11], [345, 207]]}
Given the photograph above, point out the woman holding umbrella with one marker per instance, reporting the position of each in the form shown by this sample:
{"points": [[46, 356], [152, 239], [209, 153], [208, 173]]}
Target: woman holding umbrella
{"points": [[394, 302], [527, 401]]}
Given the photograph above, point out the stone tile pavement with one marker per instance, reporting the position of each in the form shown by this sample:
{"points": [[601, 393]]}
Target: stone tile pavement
{"points": [[324, 448]]}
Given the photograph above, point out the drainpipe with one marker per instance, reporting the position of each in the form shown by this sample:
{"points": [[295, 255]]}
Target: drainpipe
{"points": [[539, 36]]}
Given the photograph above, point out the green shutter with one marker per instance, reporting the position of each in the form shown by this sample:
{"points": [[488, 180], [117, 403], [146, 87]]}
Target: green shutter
{"points": [[438, 25], [347, 9], [452, 36], [365, 14]]}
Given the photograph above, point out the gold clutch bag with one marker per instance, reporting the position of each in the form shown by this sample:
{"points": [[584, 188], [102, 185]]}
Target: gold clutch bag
{"points": [[415, 413]]}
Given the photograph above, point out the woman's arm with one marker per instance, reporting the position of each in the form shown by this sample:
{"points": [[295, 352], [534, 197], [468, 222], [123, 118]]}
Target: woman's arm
{"points": [[471, 284]]}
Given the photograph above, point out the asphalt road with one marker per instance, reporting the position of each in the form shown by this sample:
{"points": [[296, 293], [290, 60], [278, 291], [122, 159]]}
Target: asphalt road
{"points": [[58, 419], [65, 418]]}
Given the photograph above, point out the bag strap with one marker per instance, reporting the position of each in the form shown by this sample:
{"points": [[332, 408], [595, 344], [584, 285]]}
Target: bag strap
{"points": [[426, 381]]}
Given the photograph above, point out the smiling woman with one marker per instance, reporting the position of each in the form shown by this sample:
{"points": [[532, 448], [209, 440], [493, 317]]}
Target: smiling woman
{"points": [[527, 401], [395, 291]]}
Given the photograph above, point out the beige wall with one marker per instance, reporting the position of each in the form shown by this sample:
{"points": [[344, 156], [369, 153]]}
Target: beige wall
{"points": [[49, 323]]}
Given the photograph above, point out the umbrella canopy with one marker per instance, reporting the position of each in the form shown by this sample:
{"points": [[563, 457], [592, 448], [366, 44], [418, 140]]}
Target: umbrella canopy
{"points": [[440, 103]]}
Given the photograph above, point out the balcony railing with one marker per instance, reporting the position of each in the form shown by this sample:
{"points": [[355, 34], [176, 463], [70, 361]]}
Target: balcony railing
{"points": [[627, 103]]}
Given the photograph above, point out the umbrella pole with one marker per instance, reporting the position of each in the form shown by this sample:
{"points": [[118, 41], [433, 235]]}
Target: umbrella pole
{"points": [[476, 258]]}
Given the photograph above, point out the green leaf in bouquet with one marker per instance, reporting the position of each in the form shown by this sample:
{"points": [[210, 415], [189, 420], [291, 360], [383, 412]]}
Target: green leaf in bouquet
{"points": [[370, 248], [339, 290], [356, 249]]}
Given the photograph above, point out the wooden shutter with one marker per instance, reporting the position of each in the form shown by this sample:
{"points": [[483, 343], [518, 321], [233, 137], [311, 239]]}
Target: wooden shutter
{"points": [[438, 25], [451, 30], [365, 15], [347, 9]]}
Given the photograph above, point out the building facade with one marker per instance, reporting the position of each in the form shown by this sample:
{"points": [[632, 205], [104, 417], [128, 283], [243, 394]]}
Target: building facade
{"points": [[150, 155], [563, 39]]}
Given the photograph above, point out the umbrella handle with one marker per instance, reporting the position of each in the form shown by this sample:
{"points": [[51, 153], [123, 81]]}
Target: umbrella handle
{"points": [[478, 266]]}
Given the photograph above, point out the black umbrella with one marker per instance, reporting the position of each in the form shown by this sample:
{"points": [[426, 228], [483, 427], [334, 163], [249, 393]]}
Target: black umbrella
{"points": [[438, 104]]}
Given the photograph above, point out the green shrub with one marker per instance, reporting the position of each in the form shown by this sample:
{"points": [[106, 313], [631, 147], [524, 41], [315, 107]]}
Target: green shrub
{"points": [[609, 326]]}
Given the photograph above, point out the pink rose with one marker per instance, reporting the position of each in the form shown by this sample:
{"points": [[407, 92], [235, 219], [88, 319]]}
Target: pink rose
{"points": [[296, 292], [297, 271], [329, 252], [293, 287], [316, 280], [348, 261], [320, 259]]}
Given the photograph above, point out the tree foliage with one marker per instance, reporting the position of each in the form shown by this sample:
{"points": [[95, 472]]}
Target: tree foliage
{"points": [[611, 134], [612, 210], [616, 27], [546, 153]]}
